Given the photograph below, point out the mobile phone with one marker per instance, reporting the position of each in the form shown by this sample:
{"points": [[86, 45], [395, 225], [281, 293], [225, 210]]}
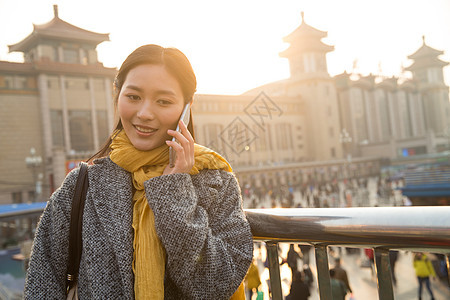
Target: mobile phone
{"points": [[185, 116]]}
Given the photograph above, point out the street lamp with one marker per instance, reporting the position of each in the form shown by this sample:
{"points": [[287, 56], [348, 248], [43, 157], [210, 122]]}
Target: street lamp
{"points": [[34, 162], [345, 139]]}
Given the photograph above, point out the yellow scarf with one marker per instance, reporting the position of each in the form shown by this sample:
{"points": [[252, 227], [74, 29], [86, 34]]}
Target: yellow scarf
{"points": [[149, 255]]}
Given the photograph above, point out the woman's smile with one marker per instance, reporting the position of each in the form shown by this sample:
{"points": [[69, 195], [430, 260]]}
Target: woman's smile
{"points": [[144, 130]]}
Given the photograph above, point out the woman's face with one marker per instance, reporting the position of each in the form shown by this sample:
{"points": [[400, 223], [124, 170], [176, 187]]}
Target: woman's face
{"points": [[150, 102]]}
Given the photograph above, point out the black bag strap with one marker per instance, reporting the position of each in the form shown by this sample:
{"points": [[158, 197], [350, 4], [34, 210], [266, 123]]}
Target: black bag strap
{"points": [[76, 224]]}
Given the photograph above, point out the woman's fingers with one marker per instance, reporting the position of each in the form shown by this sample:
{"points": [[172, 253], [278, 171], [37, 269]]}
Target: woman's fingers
{"points": [[183, 137], [188, 137], [184, 149]]}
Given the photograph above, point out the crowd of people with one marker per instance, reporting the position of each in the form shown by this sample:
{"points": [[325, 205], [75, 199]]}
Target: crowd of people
{"points": [[302, 278], [335, 193], [301, 283]]}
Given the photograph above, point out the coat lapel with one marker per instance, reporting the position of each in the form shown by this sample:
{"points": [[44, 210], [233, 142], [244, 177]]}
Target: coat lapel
{"points": [[111, 190]]}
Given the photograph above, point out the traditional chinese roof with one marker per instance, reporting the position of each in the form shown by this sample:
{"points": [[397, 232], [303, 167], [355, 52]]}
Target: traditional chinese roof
{"points": [[58, 29], [55, 68], [426, 57], [424, 51], [306, 38], [409, 85]]}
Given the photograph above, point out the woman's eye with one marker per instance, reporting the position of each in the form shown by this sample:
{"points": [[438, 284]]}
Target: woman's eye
{"points": [[133, 97], [164, 102]]}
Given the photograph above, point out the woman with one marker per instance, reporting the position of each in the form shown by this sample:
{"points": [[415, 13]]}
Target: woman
{"points": [[150, 231]]}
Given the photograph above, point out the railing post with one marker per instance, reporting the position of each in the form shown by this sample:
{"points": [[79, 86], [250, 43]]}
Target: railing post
{"points": [[323, 272], [274, 270], [383, 268]]}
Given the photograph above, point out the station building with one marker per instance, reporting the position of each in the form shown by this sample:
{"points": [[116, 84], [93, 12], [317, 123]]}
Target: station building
{"points": [[59, 102]]}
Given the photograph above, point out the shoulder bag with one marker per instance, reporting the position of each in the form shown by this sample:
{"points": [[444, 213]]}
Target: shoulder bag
{"points": [[76, 224]]}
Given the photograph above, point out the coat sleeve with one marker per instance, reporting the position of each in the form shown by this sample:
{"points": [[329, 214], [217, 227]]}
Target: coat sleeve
{"points": [[205, 233], [46, 272]]}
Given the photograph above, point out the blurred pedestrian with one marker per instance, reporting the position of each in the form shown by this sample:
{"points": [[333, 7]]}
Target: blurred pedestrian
{"points": [[393, 256], [305, 252], [341, 274], [338, 288], [299, 290], [424, 269], [292, 258], [252, 280], [308, 275], [316, 201], [290, 199], [369, 256]]}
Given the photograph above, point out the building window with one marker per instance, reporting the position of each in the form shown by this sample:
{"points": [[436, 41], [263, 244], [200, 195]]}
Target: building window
{"points": [[17, 197], [212, 137], [333, 152], [55, 54], [8, 82], [31, 83], [421, 75], [57, 127], [260, 142], [21, 82], [70, 56], [32, 196], [80, 125], [84, 58], [284, 136], [269, 137], [53, 82], [99, 85], [76, 83], [102, 123]]}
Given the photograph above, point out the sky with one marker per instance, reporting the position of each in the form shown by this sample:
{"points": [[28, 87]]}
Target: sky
{"points": [[234, 45]]}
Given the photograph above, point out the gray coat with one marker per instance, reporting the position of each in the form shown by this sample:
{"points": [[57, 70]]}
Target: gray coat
{"points": [[199, 219]]}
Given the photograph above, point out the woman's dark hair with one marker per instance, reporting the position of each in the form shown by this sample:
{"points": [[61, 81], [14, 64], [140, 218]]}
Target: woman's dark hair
{"points": [[175, 62]]}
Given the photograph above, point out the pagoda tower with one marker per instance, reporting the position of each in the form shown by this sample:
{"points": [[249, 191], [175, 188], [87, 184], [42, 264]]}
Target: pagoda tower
{"points": [[307, 53], [61, 42], [63, 96], [427, 71], [311, 82]]}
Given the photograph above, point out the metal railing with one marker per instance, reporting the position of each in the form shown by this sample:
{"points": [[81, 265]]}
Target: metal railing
{"points": [[417, 228], [424, 229]]}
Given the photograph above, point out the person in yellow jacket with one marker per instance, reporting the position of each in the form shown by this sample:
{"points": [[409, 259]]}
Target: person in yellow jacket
{"points": [[252, 280], [423, 268]]}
